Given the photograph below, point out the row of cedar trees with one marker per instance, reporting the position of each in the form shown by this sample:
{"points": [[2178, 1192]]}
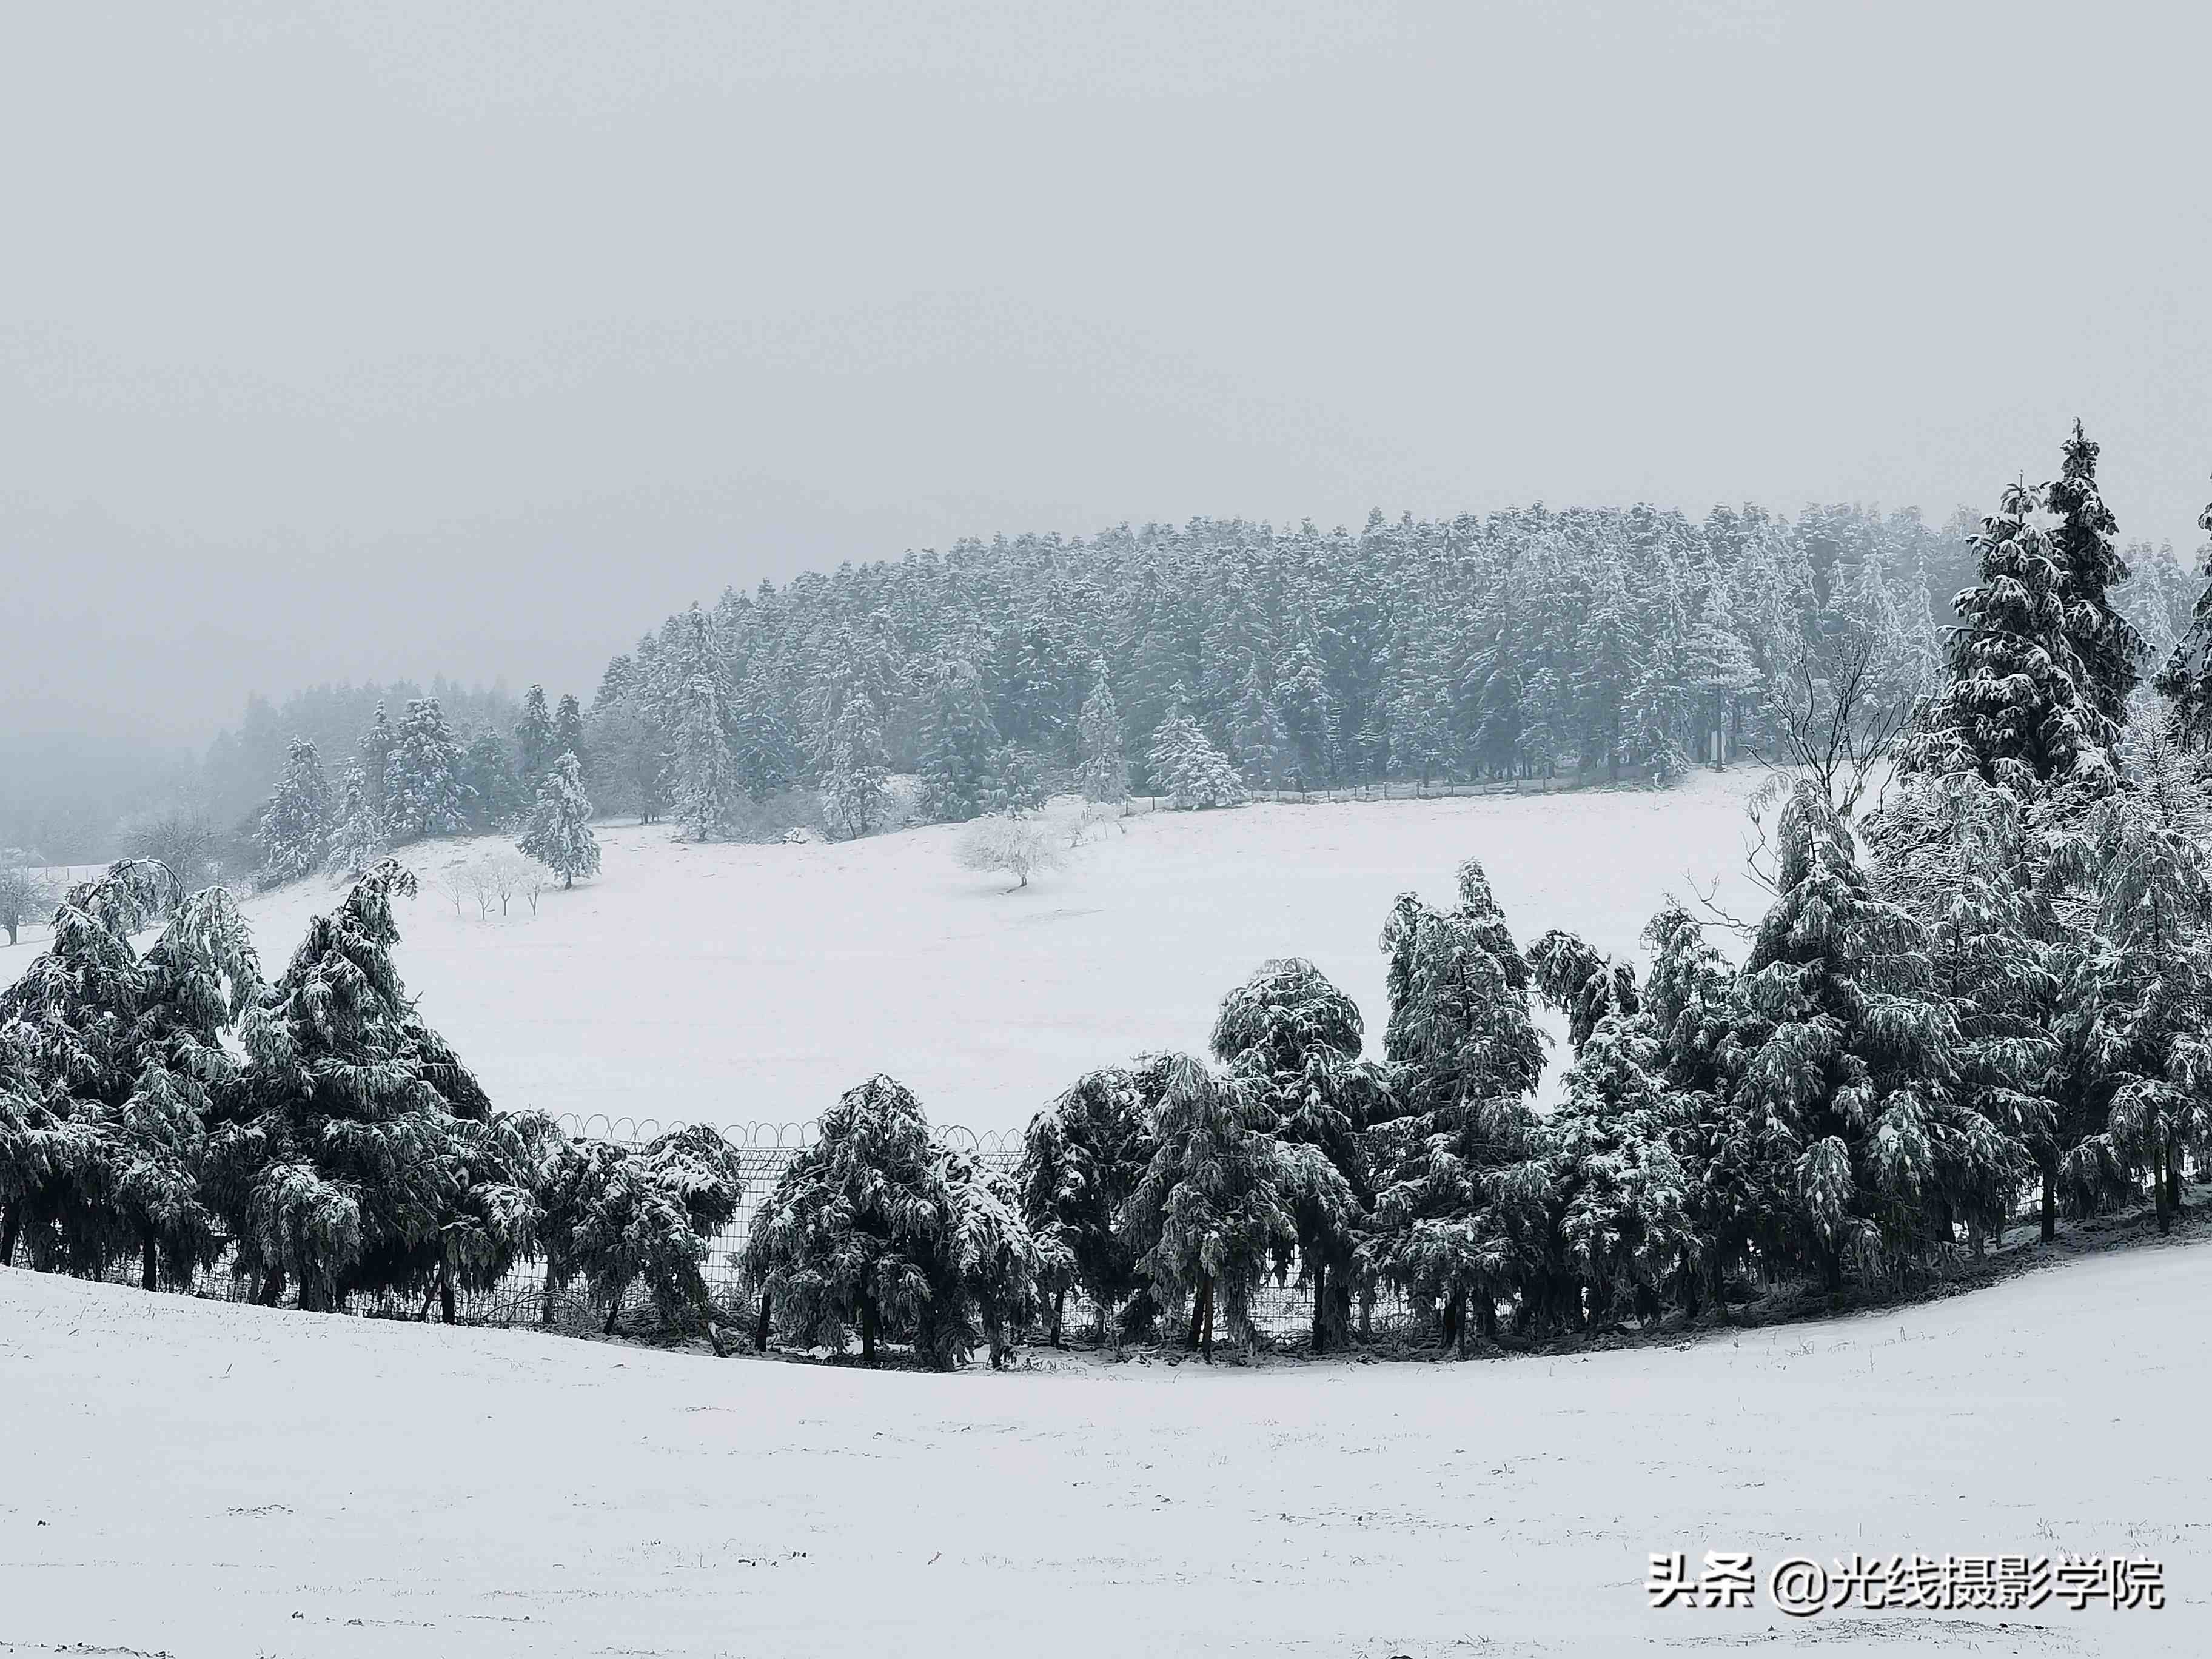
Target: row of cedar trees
{"points": [[2012, 993]]}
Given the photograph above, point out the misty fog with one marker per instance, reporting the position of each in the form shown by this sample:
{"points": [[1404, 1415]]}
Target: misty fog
{"points": [[473, 341]]}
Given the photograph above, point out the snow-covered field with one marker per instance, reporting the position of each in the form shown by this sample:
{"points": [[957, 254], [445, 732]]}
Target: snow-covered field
{"points": [[734, 985], [196, 1478]]}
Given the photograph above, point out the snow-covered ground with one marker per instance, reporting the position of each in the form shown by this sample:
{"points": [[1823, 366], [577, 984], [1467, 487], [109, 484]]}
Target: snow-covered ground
{"points": [[734, 985], [196, 1478]]}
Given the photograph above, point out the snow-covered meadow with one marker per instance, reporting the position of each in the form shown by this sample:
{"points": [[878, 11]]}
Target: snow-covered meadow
{"points": [[204, 1480], [739, 984]]}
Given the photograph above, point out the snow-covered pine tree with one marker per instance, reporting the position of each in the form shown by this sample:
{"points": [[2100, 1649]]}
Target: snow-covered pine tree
{"points": [[1964, 858], [295, 826], [1015, 785], [1294, 1039], [959, 745], [346, 1151], [494, 794], [1719, 672], [618, 1216], [533, 739], [766, 754], [1574, 979], [2019, 705], [424, 794], [2185, 680], [2143, 995], [1847, 1106], [1459, 1214], [878, 1229], [1211, 1212], [2110, 648], [856, 783], [1189, 770], [1262, 743], [1103, 773], [359, 837], [993, 1268], [378, 745], [109, 1065], [568, 732], [705, 790], [1081, 1158], [1621, 1199], [559, 833]]}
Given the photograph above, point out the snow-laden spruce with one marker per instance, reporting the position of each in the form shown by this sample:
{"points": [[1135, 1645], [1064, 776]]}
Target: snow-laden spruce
{"points": [[880, 1229], [559, 835], [111, 1064], [295, 832]]}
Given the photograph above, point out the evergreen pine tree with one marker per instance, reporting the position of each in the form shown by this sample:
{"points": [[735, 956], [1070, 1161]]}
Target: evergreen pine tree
{"points": [[559, 834], [295, 826], [109, 1066], [960, 745], [1213, 1211], [1459, 1217], [856, 784], [485, 773], [533, 739], [1294, 1039], [354, 1153], [424, 794], [2110, 648], [359, 837], [618, 1216], [378, 745], [705, 789], [1103, 775], [568, 732], [1081, 1158]]}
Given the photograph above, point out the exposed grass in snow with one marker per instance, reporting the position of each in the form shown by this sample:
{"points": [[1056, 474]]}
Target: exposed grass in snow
{"points": [[737, 984], [203, 1480]]}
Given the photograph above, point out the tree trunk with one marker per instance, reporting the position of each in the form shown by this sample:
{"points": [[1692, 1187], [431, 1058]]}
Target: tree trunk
{"points": [[11, 1222], [1455, 1317], [272, 1288], [545, 1306], [1321, 1308], [1059, 1312], [1197, 1315], [446, 1294], [2158, 1162], [1206, 1342], [149, 1259], [1486, 1309], [2173, 1178], [2049, 1202], [761, 1324], [867, 1328], [614, 1312]]}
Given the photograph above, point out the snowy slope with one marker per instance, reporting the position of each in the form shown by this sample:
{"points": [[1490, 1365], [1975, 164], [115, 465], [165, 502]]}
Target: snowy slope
{"points": [[740, 984], [206, 1481]]}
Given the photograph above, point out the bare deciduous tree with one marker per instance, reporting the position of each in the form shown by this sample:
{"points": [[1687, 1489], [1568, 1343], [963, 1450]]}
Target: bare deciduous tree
{"points": [[1020, 847], [26, 892]]}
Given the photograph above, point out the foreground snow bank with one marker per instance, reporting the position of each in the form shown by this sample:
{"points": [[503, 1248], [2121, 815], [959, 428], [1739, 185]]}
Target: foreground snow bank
{"points": [[207, 1479]]}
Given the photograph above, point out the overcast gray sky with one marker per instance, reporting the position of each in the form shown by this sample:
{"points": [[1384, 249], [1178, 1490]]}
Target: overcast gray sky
{"points": [[344, 341]]}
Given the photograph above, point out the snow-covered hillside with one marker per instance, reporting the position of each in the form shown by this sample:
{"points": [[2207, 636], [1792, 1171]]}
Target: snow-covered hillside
{"points": [[734, 984], [200, 1479]]}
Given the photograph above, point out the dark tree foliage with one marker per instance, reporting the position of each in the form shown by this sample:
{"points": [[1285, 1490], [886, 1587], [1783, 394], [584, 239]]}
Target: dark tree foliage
{"points": [[1081, 1158], [108, 1064], [1574, 979], [878, 1229], [1213, 1212], [353, 1145], [1294, 1039], [617, 1217]]}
